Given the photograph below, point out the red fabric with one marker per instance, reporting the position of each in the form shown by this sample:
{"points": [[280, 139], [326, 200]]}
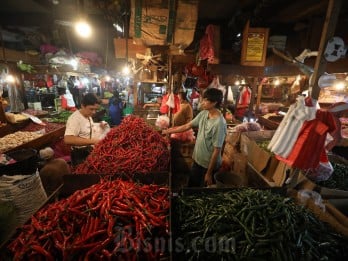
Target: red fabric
{"points": [[164, 109], [61, 150], [309, 149], [64, 102], [49, 81], [243, 102], [206, 48]]}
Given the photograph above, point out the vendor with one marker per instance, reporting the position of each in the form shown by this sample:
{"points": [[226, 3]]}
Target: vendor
{"points": [[185, 113], [243, 102], [79, 129]]}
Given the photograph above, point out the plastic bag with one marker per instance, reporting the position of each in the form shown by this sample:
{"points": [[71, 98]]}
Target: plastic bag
{"points": [[306, 194], [186, 136], [162, 122], [322, 172], [171, 102], [230, 95]]}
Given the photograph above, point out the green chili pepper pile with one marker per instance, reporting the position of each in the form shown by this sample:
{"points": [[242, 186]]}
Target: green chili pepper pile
{"points": [[251, 224], [339, 178]]}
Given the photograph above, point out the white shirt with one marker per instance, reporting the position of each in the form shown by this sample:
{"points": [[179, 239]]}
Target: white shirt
{"points": [[79, 126]]}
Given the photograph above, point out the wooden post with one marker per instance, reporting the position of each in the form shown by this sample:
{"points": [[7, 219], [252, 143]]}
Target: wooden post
{"points": [[327, 33], [253, 85], [258, 100]]}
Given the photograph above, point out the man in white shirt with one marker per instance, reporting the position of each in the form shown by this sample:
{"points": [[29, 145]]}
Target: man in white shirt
{"points": [[79, 129]]}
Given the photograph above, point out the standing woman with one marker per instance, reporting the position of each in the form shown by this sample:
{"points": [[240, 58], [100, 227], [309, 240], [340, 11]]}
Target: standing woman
{"points": [[185, 113], [211, 135]]}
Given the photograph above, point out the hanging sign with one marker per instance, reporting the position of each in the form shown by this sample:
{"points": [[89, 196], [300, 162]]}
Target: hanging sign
{"points": [[254, 46]]}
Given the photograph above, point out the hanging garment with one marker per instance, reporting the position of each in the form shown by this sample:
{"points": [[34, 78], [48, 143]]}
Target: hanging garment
{"points": [[206, 48], [230, 98], [287, 132], [164, 109], [243, 102], [309, 148], [215, 83]]}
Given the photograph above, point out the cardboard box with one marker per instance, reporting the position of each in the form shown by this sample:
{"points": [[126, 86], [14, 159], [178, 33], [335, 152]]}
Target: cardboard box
{"points": [[240, 163], [256, 179], [258, 157], [152, 22], [248, 138], [233, 138]]}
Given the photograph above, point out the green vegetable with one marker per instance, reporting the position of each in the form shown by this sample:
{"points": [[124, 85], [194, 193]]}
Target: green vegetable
{"points": [[264, 144], [62, 117], [251, 225], [338, 179]]}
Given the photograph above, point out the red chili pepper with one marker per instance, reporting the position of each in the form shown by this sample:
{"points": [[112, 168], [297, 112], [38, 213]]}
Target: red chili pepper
{"points": [[43, 252], [119, 153], [110, 226], [97, 247]]}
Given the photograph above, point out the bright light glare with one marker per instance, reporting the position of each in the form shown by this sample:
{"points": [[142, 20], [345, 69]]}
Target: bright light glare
{"points": [[125, 70], [74, 63], [83, 29], [10, 78], [237, 83], [339, 86], [85, 81], [276, 82], [118, 28]]}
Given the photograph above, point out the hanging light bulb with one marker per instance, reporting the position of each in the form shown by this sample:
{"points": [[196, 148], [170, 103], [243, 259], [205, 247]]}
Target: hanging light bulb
{"points": [[340, 85], [276, 82], [10, 78], [126, 70], [83, 29]]}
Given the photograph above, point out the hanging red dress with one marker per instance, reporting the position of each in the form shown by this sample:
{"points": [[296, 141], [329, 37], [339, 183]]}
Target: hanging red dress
{"points": [[309, 148]]}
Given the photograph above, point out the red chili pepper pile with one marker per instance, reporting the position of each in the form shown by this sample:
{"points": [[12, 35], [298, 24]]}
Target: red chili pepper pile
{"points": [[112, 220], [132, 147]]}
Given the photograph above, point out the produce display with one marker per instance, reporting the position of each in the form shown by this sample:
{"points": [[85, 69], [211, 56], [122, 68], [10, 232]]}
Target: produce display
{"points": [[37, 113], [48, 127], [17, 138], [111, 220], [61, 117], [249, 224], [132, 147], [338, 179], [264, 145], [15, 117]]}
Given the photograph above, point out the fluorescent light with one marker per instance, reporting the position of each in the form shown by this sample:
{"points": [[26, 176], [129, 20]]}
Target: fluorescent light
{"points": [[117, 27]]}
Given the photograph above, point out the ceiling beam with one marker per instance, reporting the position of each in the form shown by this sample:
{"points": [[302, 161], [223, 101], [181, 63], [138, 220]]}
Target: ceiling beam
{"points": [[299, 10]]}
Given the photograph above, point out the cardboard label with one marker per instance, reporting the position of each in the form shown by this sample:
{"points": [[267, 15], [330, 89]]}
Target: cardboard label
{"points": [[152, 22]]}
